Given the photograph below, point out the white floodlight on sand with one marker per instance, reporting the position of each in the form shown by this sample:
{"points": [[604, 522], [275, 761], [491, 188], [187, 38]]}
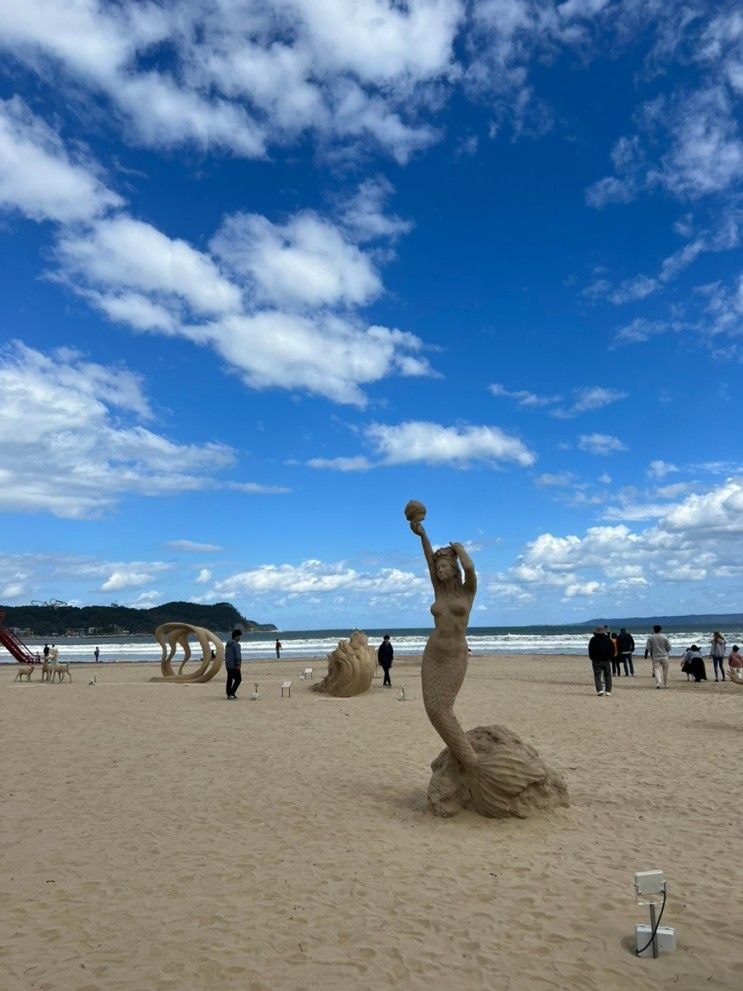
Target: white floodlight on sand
{"points": [[650, 886]]}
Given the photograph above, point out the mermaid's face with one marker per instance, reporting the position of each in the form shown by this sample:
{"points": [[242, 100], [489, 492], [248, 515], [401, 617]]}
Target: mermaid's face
{"points": [[445, 568]]}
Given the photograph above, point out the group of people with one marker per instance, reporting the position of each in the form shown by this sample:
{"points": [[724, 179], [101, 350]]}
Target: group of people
{"points": [[233, 661], [609, 652], [692, 661]]}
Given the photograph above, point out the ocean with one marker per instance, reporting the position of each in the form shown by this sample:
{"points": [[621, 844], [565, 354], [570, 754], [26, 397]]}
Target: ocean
{"points": [[316, 644]]}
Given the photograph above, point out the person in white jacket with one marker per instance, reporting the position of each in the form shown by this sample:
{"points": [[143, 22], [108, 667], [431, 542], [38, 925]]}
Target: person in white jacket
{"points": [[658, 649]]}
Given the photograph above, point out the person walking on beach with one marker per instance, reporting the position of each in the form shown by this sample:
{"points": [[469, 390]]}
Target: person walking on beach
{"points": [[657, 649], [615, 669], [96, 654], [735, 661], [278, 646], [385, 653], [233, 659], [626, 648], [717, 653], [601, 652]]}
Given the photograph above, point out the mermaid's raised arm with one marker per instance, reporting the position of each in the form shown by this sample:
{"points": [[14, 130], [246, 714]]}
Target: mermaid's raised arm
{"points": [[470, 576], [427, 550]]}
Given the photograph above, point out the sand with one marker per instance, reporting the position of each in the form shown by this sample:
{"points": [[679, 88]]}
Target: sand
{"points": [[159, 837]]}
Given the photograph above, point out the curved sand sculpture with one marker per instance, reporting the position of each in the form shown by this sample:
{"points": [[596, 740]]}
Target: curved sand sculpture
{"points": [[488, 769], [170, 636], [350, 668]]}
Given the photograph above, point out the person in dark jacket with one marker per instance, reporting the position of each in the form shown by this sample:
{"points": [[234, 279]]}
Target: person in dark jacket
{"points": [[233, 661], [626, 648], [601, 652], [385, 653]]}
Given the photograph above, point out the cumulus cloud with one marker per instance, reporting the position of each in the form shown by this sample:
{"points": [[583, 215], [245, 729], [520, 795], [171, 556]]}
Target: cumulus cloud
{"points": [[313, 577], [125, 578], [276, 300], [204, 576], [600, 443], [433, 443], [39, 178], [80, 421], [241, 75], [700, 535], [123, 253], [305, 262]]}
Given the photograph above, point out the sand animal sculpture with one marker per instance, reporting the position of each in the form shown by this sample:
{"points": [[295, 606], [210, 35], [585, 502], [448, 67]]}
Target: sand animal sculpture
{"points": [[350, 668], [58, 669], [171, 636], [488, 769], [46, 670], [24, 671]]}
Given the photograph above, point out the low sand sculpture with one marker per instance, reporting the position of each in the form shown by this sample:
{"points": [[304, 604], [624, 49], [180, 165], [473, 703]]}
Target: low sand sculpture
{"points": [[171, 636], [736, 676], [24, 671], [350, 668], [489, 769]]}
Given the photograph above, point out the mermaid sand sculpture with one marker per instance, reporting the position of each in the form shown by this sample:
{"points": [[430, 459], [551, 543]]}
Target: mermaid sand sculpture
{"points": [[488, 769], [350, 668], [170, 636]]}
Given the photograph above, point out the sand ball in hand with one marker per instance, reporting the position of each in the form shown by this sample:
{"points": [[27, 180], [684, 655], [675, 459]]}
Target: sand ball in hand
{"points": [[415, 512]]}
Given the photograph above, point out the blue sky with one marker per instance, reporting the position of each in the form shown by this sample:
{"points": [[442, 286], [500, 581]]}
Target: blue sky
{"points": [[271, 268]]}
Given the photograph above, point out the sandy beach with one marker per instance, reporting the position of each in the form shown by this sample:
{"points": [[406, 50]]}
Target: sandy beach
{"points": [[158, 837]]}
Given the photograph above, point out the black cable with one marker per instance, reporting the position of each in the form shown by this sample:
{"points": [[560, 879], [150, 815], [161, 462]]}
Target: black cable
{"points": [[657, 924]]}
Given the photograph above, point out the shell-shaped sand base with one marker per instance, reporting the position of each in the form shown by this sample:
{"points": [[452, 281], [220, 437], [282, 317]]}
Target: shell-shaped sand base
{"points": [[350, 668], [510, 779]]}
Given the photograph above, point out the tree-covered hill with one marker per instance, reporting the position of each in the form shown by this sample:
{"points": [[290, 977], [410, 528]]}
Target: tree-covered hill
{"points": [[50, 620]]}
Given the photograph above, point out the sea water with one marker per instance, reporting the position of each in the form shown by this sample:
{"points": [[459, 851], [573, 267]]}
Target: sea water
{"points": [[532, 640]]}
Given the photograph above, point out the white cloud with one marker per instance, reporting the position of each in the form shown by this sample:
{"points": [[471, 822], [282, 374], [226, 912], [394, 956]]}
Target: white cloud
{"points": [[314, 577], [193, 546], [660, 468], [561, 479], [706, 155], [363, 214], [523, 397], [203, 576], [145, 600], [582, 589], [355, 463], [57, 411], [305, 262], [432, 443], [600, 443], [324, 354], [37, 175], [242, 75], [125, 253], [719, 510], [589, 398], [129, 578]]}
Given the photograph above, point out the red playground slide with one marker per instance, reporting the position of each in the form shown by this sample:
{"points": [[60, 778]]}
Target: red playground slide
{"points": [[15, 645]]}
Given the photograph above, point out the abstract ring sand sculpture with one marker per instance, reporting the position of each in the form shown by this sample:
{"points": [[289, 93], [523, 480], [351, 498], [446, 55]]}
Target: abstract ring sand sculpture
{"points": [[170, 636], [488, 769], [350, 668]]}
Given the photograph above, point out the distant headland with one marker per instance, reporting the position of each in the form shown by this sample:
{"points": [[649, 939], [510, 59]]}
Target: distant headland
{"points": [[692, 619], [59, 619]]}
